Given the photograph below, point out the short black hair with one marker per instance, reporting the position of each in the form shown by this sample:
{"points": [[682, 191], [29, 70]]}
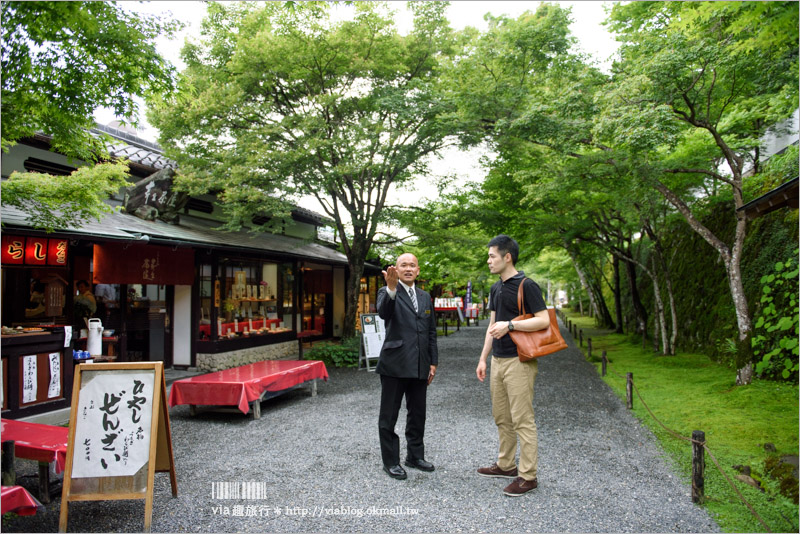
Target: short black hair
{"points": [[84, 282], [506, 245]]}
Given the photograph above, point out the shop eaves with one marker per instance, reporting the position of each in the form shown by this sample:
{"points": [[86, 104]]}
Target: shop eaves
{"points": [[191, 232]]}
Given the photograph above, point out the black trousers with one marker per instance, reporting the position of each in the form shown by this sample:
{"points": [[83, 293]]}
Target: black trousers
{"points": [[392, 392]]}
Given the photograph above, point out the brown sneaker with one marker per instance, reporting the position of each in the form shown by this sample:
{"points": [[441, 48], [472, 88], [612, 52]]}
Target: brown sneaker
{"points": [[520, 486], [496, 472]]}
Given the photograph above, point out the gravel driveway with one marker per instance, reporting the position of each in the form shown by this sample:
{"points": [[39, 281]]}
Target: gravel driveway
{"points": [[316, 463]]}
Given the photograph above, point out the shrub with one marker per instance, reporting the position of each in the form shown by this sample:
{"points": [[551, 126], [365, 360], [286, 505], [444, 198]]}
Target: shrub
{"points": [[335, 354], [775, 331]]}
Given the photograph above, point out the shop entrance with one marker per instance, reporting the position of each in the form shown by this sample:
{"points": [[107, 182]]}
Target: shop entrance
{"points": [[318, 302], [147, 323]]}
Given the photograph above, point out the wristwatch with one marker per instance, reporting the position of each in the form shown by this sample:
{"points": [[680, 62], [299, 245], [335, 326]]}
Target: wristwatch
{"points": [[510, 326]]}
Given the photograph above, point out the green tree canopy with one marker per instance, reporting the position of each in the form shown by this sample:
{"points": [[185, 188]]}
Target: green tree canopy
{"points": [[698, 86], [63, 60], [280, 101]]}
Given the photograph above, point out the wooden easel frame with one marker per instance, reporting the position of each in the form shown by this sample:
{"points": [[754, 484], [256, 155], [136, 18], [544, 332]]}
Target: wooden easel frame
{"points": [[160, 459], [363, 357]]}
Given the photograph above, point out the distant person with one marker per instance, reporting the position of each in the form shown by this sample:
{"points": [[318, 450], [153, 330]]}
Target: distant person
{"points": [[512, 381], [407, 364], [36, 306], [85, 296], [107, 294]]}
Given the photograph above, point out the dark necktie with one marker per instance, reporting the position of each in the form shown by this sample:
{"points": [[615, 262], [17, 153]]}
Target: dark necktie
{"points": [[411, 293]]}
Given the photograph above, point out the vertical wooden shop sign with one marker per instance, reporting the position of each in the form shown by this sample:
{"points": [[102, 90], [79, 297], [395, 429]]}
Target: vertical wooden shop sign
{"points": [[119, 435]]}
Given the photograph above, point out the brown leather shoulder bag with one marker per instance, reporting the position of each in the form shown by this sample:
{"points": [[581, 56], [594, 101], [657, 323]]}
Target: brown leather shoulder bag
{"points": [[532, 345]]}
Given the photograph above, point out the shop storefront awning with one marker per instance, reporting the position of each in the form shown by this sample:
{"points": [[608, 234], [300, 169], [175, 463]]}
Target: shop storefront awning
{"points": [[127, 263], [191, 232]]}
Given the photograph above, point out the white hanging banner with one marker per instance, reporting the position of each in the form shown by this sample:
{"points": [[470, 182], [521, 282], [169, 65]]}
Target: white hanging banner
{"points": [[55, 375], [28, 379]]}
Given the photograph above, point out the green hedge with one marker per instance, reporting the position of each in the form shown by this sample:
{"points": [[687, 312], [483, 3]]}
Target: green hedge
{"points": [[335, 354]]}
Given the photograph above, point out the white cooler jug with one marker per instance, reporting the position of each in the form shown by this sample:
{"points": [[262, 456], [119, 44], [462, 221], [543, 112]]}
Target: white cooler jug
{"points": [[94, 343]]}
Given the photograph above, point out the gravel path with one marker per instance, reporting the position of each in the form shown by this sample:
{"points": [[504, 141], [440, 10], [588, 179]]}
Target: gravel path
{"points": [[318, 462]]}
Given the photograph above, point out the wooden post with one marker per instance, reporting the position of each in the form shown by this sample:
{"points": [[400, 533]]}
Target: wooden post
{"points": [[698, 466], [589, 345], [9, 470], [605, 363], [44, 482], [629, 390], [580, 337]]}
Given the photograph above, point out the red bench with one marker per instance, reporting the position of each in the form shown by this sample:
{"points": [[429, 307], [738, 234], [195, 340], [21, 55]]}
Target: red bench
{"points": [[17, 499], [241, 386], [45, 444]]}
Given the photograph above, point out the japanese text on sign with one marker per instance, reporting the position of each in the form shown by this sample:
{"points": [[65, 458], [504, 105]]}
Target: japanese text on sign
{"points": [[34, 251], [55, 375], [28, 379], [374, 331], [112, 435]]}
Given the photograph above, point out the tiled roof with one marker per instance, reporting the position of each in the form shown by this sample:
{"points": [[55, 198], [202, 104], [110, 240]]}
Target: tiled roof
{"points": [[136, 149]]}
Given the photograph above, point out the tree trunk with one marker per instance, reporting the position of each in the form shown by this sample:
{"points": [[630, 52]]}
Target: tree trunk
{"points": [[638, 307], [659, 318], [604, 315], [656, 324], [660, 263], [356, 257], [584, 283], [617, 296], [731, 260], [744, 374]]}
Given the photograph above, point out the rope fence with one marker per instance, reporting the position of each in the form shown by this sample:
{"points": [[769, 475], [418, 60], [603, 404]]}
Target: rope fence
{"points": [[699, 445]]}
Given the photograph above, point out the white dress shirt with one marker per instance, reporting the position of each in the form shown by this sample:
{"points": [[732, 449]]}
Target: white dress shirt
{"points": [[393, 292]]}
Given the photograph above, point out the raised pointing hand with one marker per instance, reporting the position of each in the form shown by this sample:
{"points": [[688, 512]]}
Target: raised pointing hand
{"points": [[391, 277]]}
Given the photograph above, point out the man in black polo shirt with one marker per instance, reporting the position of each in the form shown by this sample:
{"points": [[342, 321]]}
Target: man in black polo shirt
{"points": [[511, 380]]}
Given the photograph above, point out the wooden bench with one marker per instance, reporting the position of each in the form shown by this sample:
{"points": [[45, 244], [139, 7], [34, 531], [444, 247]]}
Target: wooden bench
{"points": [[247, 385]]}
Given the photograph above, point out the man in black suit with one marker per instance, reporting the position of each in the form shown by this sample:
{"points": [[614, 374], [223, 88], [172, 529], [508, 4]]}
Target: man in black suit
{"points": [[407, 364]]}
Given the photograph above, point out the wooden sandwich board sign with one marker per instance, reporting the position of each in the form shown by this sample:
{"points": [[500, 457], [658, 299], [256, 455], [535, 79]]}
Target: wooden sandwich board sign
{"points": [[119, 435], [373, 331]]}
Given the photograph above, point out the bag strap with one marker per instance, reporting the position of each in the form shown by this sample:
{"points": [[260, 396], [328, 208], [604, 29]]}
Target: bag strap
{"points": [[520, 299]]}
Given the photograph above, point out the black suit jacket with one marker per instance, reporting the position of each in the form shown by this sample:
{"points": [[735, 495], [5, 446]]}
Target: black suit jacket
{"points": [[409, 348]]}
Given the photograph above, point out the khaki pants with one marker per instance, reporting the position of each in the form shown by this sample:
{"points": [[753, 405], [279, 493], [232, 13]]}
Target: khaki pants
{"points": [[511, 383]]}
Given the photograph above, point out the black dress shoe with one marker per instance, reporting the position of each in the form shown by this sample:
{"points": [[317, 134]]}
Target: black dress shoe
{"points": [[395, 471], [420, 464]]}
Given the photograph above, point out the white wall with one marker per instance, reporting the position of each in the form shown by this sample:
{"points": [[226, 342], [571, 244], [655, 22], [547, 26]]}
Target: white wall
{"points": [[15, 158], [182, 326]]}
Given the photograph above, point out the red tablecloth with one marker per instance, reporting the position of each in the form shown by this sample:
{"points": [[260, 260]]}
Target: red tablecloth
{"points": [[16, 499], [242, 385], [34, 441]]}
